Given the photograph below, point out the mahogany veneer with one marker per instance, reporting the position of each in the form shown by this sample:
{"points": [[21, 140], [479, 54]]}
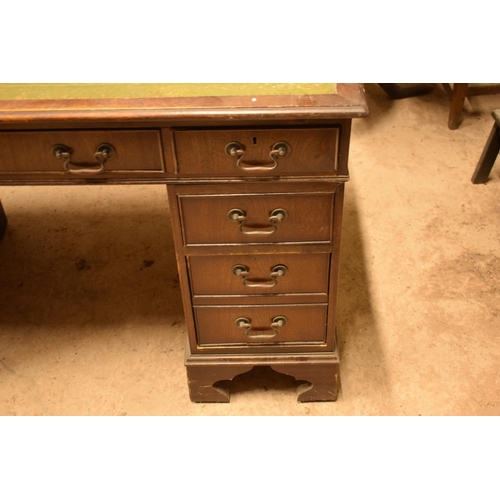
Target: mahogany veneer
{"points": [[255, 178]]}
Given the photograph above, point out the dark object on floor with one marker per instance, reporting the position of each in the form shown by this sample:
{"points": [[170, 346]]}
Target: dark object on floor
{"points": [[459, 92], [490, 152], [395, 91], [3, 221]]}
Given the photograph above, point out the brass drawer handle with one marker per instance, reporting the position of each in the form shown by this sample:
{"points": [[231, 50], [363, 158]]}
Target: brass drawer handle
{"points": [[103, 153], [238, 215], [238, 150], [246, 323], [276, 271]]}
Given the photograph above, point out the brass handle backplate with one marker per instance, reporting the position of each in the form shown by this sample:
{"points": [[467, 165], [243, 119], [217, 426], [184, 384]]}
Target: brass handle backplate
{"points": [[238, 150], [103, 153], [276, 216], [246, 323], [276, 271]]}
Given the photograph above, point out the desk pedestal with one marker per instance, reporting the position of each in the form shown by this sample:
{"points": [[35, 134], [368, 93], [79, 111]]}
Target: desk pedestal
{"points": [[319, 372]]}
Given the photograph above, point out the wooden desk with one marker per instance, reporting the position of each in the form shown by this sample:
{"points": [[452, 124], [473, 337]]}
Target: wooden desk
{"points": [[255, 176]]}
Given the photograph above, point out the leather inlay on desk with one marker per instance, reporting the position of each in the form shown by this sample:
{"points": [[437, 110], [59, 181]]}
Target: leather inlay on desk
{"points": [[22, 91], [255, 176]]}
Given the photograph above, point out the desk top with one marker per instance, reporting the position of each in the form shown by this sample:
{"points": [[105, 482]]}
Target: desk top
{"points": [[165, 101], [62, 91]]}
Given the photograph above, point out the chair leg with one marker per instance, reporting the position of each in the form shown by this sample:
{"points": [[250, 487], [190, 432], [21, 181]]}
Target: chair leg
{"points": [[487, 160], [458, 95], [3, 221]]}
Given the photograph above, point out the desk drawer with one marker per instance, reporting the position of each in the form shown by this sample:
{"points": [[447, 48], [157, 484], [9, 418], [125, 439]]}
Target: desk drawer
{"points": [[259, 274], [243, 325], [267, 218], [256, 152], [33, 152]]}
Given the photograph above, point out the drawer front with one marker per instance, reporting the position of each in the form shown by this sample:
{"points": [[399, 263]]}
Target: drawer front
{"points": [[259, 274], [245, 325], [256, 152], [269, 218], [33, 152]]}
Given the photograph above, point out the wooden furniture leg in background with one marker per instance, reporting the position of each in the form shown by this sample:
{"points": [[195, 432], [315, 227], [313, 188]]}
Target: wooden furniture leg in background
{"points": [[3, 222], [459, 92], [458, 95], [490, 153]]}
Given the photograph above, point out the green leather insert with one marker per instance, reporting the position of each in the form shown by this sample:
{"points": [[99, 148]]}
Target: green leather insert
{"points": [[22, 91]]}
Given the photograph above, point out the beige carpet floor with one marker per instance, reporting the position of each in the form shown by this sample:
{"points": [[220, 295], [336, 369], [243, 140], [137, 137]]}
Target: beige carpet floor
{"points": [[91, 319]]}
